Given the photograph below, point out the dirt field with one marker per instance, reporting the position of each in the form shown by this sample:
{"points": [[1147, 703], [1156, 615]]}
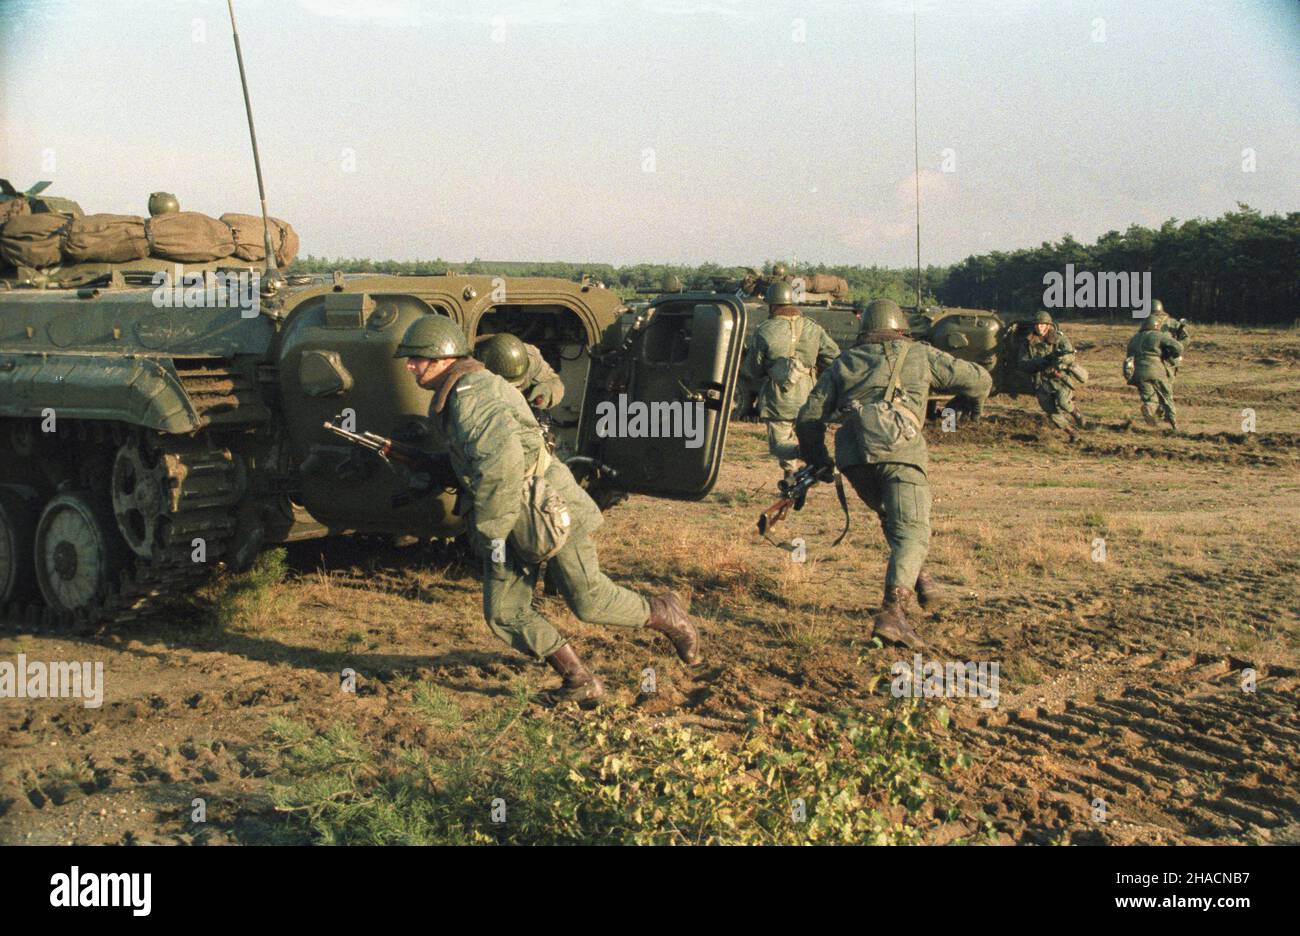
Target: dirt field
{"points": [[1125, 684]]}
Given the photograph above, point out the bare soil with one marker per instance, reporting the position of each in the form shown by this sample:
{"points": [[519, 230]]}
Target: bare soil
{"points": [[1150, 697]]}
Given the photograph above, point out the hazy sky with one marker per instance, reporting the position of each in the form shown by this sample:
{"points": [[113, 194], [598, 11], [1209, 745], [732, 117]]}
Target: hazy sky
{"points": [[661, 130]]}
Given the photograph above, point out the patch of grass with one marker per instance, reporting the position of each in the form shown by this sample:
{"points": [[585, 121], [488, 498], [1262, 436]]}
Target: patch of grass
{"points": [[254, 599], [434, 701], [619, 777]]}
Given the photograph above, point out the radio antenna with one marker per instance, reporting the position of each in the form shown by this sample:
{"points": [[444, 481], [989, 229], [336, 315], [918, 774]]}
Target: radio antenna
{"points": [[916, 161], [272, 273]]}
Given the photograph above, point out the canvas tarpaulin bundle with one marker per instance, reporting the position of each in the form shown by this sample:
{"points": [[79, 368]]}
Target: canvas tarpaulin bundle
{"points": [[189, 237], [826, 283], [12, 207], [106, 238], [251, 245], [33, 239]]}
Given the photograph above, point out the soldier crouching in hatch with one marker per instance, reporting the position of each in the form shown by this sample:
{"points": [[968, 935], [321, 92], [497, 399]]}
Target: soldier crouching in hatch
{"points": [[495, 443], [523, 367], [879, 389]]}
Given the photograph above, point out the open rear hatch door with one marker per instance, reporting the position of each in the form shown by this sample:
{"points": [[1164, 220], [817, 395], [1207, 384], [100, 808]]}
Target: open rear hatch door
{"points": [[659, 394]]}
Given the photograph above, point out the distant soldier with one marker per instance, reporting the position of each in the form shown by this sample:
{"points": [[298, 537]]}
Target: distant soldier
{"points": [[1047, 355], [878, 390], [782, 355], [1153, 352], [494, 444], [1175, 328], [523, 367]]}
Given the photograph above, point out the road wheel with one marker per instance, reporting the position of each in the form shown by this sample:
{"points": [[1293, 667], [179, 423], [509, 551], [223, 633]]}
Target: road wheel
{"points": [[78, 553], [17, 534]]}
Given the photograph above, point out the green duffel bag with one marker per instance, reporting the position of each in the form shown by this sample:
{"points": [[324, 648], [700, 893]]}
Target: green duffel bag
{"points": [[33, 240]]}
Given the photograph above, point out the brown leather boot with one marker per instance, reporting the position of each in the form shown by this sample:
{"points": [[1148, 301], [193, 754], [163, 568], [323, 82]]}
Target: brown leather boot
{"points": [[891, 623], [668, 616], [579, 684], [929, 593]]}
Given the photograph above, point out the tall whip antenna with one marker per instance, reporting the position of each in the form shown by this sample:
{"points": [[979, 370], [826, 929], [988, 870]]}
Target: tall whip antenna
{"points": [[916, 160], [272, 275]]}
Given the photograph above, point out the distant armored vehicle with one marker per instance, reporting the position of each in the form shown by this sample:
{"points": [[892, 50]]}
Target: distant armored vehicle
{"points": [[146, 438]]}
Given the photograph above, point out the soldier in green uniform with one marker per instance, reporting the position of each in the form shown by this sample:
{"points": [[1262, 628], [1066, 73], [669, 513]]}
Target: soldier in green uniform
{"points": [[523, 367], [1154, 352], [1047, 355], [1175, 328], [782, 355], [880, 448], [494, 443]]}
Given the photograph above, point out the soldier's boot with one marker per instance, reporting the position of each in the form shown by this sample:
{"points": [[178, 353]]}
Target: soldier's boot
{"points": [[929, 593], [1149, 416], [1079, 419], [1173, 421], [891, 623], [579, 684], [668, 616]]}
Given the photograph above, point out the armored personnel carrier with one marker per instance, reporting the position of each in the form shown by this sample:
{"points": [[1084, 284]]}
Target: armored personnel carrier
{"points": [[159, 420]]}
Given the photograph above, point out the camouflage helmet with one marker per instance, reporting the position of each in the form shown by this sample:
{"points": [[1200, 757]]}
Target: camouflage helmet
{"points": [[780, 293], [882, 315], [1043, 317], [504, 355], [161, 203], [779, 270], [433, 336], [672, 283]]}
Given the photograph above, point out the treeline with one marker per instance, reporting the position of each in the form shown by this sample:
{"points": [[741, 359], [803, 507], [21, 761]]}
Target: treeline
{"points": [[1241, 268], [866, 283]]}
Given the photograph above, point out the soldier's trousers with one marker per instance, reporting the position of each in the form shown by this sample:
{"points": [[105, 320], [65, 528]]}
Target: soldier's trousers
{"points": [[508, 588], [782, 443], [1057, 400], [1159, 396], [900, 496]]}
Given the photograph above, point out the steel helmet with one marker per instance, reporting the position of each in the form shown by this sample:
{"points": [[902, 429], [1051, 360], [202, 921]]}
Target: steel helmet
{"points": [[780, 293], [504, 355], [161, 203], [433, 336], [882, 315]]}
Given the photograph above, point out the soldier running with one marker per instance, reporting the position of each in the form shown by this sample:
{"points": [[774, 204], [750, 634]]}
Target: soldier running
{"points": [[879, 389], [494, 442], [1154, 352], [783, 353], [1046, 354]]}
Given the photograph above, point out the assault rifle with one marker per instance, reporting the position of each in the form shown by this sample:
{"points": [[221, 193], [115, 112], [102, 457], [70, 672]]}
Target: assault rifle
{"points": [[428, 472], [794, 491]]}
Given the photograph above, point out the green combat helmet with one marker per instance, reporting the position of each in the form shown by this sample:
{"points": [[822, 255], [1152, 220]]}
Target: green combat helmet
{"points": [[161, 203], [882, 315], [505, 356], [780, 294], [1150, 323], [672, 283], [1157, 307], [780, 271], [1043, 317], [433, 336]]}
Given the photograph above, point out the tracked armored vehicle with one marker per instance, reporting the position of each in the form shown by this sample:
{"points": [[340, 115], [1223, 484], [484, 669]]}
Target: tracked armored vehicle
{"points": [[147, 440]]}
